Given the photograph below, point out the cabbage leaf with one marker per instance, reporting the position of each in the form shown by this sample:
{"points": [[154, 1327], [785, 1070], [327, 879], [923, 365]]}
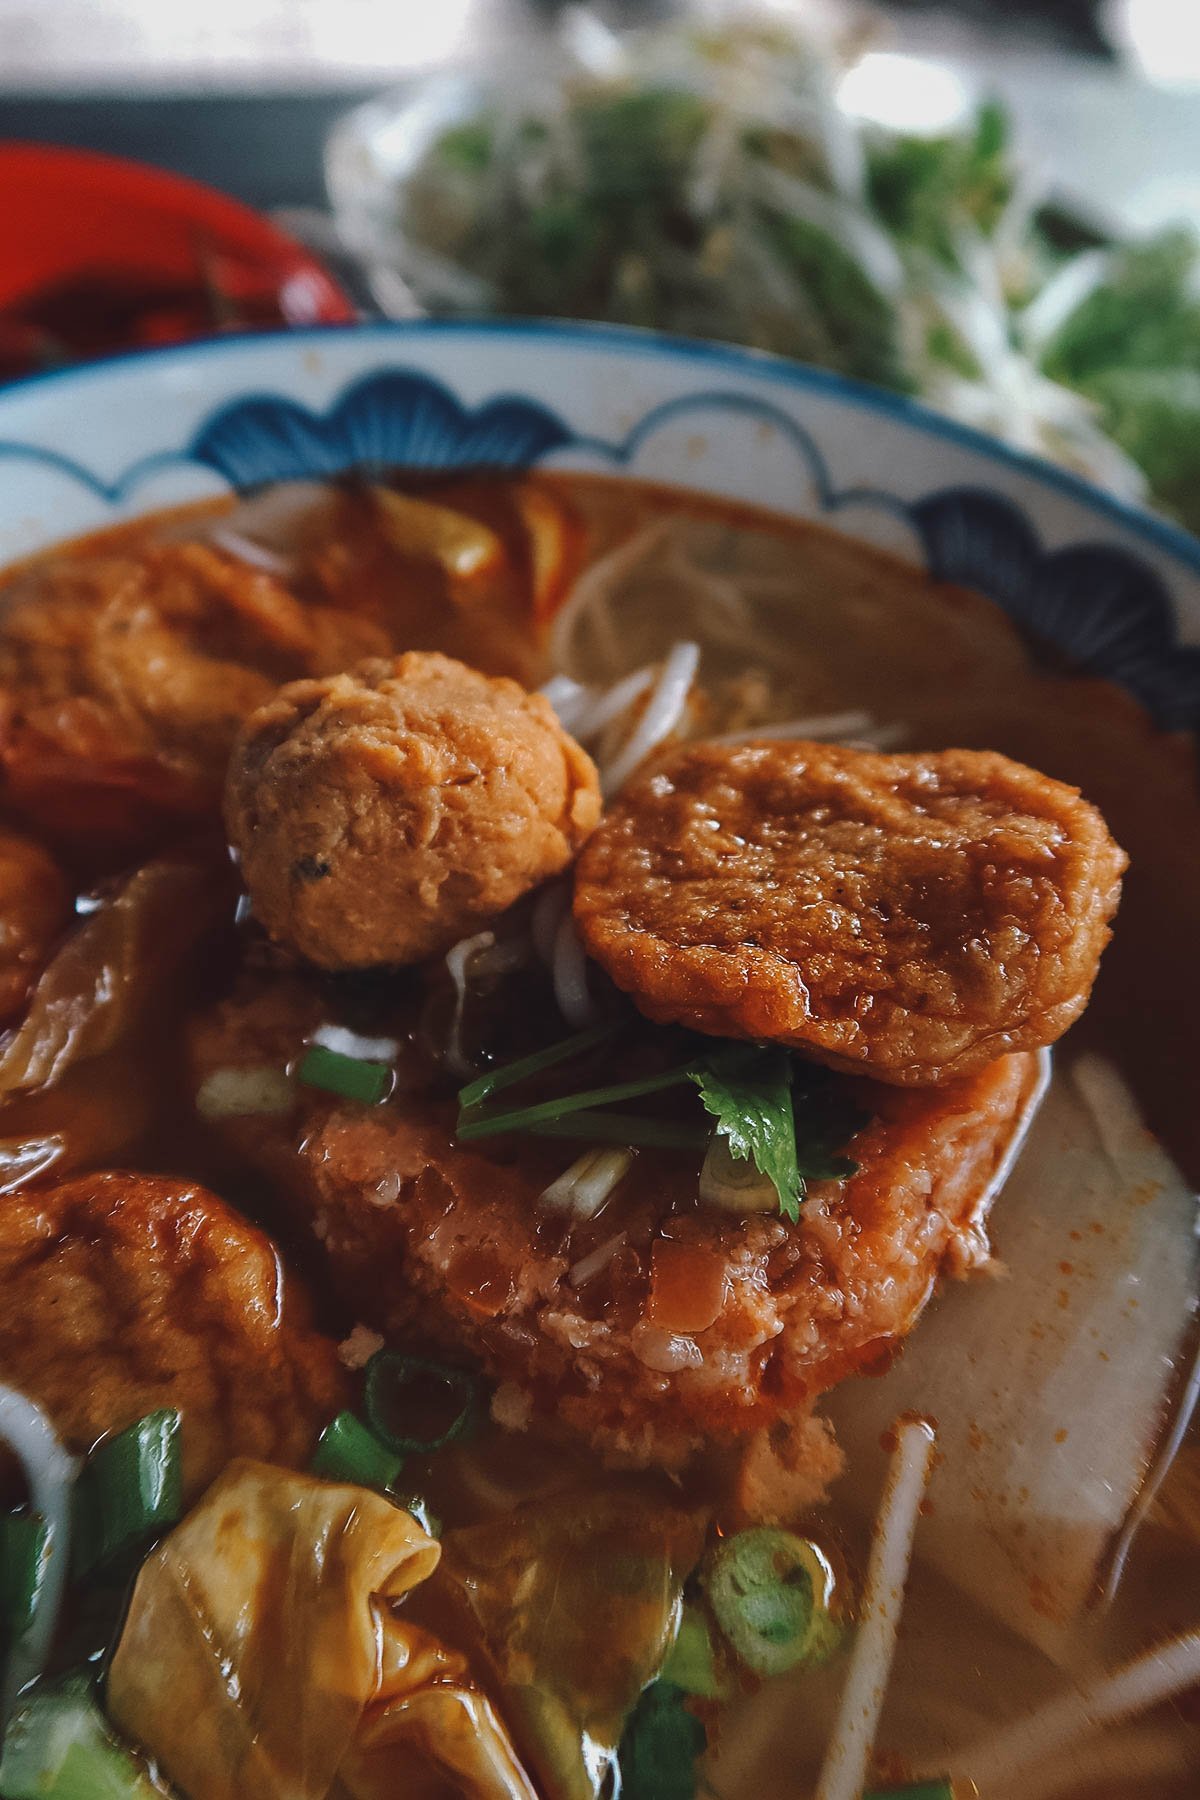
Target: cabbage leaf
{"points": [[264, 1654], [574, 1599]]}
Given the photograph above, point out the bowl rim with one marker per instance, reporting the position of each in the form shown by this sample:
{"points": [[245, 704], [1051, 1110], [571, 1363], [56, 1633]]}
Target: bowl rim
{"points": [[1166, 536]]}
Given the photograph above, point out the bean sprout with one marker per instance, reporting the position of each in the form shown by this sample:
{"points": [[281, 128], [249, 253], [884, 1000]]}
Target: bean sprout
{"points": [[588, 1267], [845, 1768], [664, 709], [996, 1764], [570, 976], [49, 1473], [257, 556], [458, 957], [582, 1189]]}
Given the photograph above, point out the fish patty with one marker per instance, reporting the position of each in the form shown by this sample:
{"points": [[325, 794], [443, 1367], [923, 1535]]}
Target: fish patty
{"points": [[658, 1326], [911, 917], [124, 1293], [383, 814]]}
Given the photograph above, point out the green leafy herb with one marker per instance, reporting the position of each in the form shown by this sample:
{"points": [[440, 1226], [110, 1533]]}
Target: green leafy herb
{"points": [[827, 1117], [24, 1539], [415, 1404], [691, 1661], [748, 1091], [59, 1747], [771, 1594], [347, 1076], [522, 1118], [129, 1492], [659, 1747], [510, 1074], [790, 1119], [348, 1450]]}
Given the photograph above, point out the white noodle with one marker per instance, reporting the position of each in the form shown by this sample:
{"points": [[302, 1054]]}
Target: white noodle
{"points": [[457, 958], [995, 1764], [592, 592], [354, 1045], [570, 700], [582, 1189], [257, 556], [663, 711], [589, 1266], [844, 1771], [570, 975], [547, 915], [49, 1474], [611, 702]]}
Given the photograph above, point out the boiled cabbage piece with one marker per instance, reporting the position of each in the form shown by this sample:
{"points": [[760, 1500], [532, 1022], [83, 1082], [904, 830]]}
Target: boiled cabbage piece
{"points": [[265, 1654], [574, 1601]]}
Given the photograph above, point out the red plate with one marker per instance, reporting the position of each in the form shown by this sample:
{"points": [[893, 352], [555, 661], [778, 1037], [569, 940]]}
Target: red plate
{"points": [[98, 254]]}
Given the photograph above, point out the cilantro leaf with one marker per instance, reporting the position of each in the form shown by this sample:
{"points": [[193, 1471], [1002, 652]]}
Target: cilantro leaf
{"points": [[826, 1118], [748, 1091], [659, 1746]]}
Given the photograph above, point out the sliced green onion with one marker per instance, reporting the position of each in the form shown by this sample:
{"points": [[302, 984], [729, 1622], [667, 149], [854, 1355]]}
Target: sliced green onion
{"points": [[129, 1493], [508, 1074], [524, 1118], [629, 1129], [348, 1450], [399, 1389], [922, 1790], [346, 1076], [24, 1542], [691, 1662], [58, 1747], [771, 1593]]}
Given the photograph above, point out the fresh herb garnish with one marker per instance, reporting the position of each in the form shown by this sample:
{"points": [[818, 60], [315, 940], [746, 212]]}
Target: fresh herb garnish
{"points": [[787, 1117], [659, 1746], [748, 1091]]}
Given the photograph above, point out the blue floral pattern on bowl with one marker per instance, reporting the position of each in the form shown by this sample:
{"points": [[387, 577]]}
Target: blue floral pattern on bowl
{"points": [[1104, 588], [1103, 609]]}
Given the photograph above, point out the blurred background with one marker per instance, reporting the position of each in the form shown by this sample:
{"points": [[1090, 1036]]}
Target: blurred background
{"points": [[239, 92], [993, 204]]}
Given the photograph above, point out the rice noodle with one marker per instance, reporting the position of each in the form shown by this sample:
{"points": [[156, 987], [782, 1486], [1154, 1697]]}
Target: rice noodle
{"points": [[354, 1045], [258, 556], [457, 959], [582, 1189], [592, 594], [49, 1474], [548, 911], [844, 1771], [569, 698], [590, 1266], [612, 701], [1135, 1687], [663, 711], [569, 972]]}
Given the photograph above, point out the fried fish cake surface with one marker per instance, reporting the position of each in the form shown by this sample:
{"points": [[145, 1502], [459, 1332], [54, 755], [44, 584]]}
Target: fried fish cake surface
{"points": [[125, 1292], [660, 1325], [907, 916], [383, 814]]}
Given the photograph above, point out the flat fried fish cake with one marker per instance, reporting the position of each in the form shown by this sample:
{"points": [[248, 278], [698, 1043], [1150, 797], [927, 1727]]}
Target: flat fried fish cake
{"points": [[127, 1292], [909, 916], [660, 1325]]}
